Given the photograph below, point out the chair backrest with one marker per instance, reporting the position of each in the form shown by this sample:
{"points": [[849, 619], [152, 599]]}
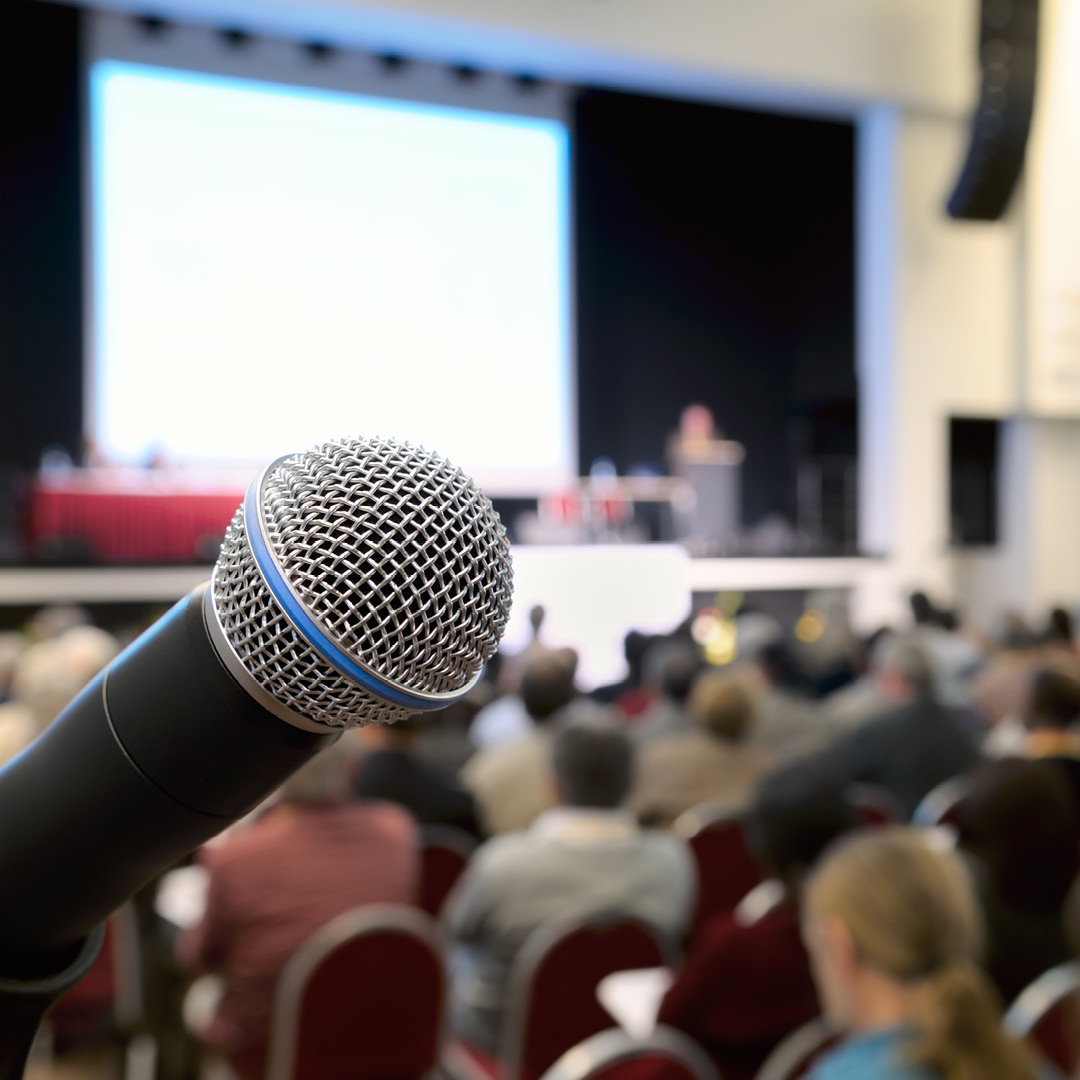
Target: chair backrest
{"points": [[552, 1003], [1047, 1014], [795, 1055], [941, 806], [361, 998], [727, 869], [874, 805], [666, 1054], [444, 854], [109, 999]]}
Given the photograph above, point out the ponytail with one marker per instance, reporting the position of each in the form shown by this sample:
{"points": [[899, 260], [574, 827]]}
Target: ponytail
{"points": [[958, 1029], [912, 915]]}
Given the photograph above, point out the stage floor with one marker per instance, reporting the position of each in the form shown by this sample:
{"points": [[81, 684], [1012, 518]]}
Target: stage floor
{"points": [[593, 594]]}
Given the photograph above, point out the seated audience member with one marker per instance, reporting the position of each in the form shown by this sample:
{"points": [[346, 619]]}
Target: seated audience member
{"points": [[712, 762], [1021, 824], [1051, 716], [1001, 689], [915, 745], [953, 657], [629, 695], [504, 720], [746, 981], [586, 856], [865, 697], [390, 769], [787, 724], [671, 666], [45, 677], [892, 927], [12, 646], [444, 741], [308, 858], [509, 782]]}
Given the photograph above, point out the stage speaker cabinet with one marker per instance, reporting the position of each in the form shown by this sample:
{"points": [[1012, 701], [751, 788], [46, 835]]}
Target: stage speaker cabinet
{"points": [[1008, 49]]}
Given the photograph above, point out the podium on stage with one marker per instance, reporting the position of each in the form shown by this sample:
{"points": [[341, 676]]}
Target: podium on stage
{"points": [[711, 519]]}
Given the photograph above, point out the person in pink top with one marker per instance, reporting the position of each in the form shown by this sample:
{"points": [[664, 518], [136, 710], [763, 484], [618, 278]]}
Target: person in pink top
{"points": [[307, 859]]}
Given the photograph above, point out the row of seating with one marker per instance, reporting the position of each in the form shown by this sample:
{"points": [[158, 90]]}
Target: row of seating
{"points": [[558, 1029]]}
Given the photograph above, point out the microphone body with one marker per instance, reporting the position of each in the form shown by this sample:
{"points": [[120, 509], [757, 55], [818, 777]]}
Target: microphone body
{"points": [[160, 752], [360, 582]]}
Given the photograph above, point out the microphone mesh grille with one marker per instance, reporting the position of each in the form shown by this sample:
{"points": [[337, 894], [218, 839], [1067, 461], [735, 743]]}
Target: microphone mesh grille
{"points": [[394, 553]]}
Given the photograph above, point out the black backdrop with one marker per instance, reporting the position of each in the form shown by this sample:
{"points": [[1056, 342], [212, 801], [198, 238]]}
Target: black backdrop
{"points": [[714, 262]]}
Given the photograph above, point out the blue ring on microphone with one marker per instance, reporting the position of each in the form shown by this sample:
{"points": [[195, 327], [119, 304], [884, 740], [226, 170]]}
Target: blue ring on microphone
{"points": [[310, 630]]}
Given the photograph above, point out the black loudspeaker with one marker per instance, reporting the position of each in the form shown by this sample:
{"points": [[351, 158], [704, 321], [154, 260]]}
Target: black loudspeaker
{"points": [[1008, 48], [973, 481]]}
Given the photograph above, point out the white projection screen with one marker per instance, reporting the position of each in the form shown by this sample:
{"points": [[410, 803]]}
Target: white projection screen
{"points": [[274, 264]]}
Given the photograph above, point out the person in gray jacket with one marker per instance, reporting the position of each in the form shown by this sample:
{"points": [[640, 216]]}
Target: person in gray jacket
{"points": [[586, 856]]}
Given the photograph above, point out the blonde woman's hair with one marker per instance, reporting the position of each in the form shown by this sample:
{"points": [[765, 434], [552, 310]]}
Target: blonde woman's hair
{"points": [[912, 914]]}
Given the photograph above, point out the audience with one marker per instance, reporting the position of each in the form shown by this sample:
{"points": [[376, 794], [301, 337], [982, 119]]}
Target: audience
{"points": [[629, 695], [865, 696], [953, 658], [46, 675], [787, 723], [892, 927], [584, 857], [671, 665], [914, 746], [713, 762], [509, 782], [390, 769], [1020, 823], [746, 980], [309, 857], [1051, 716], [505, 720]]}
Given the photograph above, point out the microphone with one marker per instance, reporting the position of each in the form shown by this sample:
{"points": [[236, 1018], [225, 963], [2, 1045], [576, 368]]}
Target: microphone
{"points": [[359, 582]]}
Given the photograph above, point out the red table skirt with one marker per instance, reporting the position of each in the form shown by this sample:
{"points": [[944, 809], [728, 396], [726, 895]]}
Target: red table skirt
{"points": [[130, 526]]}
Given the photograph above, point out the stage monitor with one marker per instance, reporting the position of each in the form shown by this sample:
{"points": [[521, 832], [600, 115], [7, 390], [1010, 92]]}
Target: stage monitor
{"points": [[274, 264]]}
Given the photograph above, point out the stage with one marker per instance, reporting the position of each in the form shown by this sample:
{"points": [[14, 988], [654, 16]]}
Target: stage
{"points": [[593, 594]]}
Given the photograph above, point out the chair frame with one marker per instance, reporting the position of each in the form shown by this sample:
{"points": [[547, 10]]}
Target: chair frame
{"points": [[449, 838], [714, 812], [1040, 996], [936, 803], [357, 922], [860, 795], [523, 974], [794, 1049], [615, 1046]]}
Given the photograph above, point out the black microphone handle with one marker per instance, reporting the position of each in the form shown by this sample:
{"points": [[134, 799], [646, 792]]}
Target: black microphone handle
{"points": [[160, 752]]}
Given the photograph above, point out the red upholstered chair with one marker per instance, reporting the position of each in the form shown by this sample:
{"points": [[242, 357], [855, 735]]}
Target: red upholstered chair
{"points": [[108, 1002], [796, 1054], [727, 869], [444, 854], [874, 805], [361, 999], [942, 805], [1047, 1015], [552, 1003], [666, 1054]]}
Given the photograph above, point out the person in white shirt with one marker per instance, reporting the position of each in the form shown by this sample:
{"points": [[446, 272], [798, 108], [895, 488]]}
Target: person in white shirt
{"points": [[585, 856]]}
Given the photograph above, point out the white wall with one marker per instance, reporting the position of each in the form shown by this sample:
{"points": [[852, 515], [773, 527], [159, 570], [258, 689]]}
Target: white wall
{"points": [[939, 324]]}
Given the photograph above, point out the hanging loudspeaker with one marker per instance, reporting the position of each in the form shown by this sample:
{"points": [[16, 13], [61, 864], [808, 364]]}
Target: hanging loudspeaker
{"points": [[1008, 45]]}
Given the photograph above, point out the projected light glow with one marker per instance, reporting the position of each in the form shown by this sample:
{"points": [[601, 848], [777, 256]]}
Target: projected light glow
{"points": [[275, 265]]}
